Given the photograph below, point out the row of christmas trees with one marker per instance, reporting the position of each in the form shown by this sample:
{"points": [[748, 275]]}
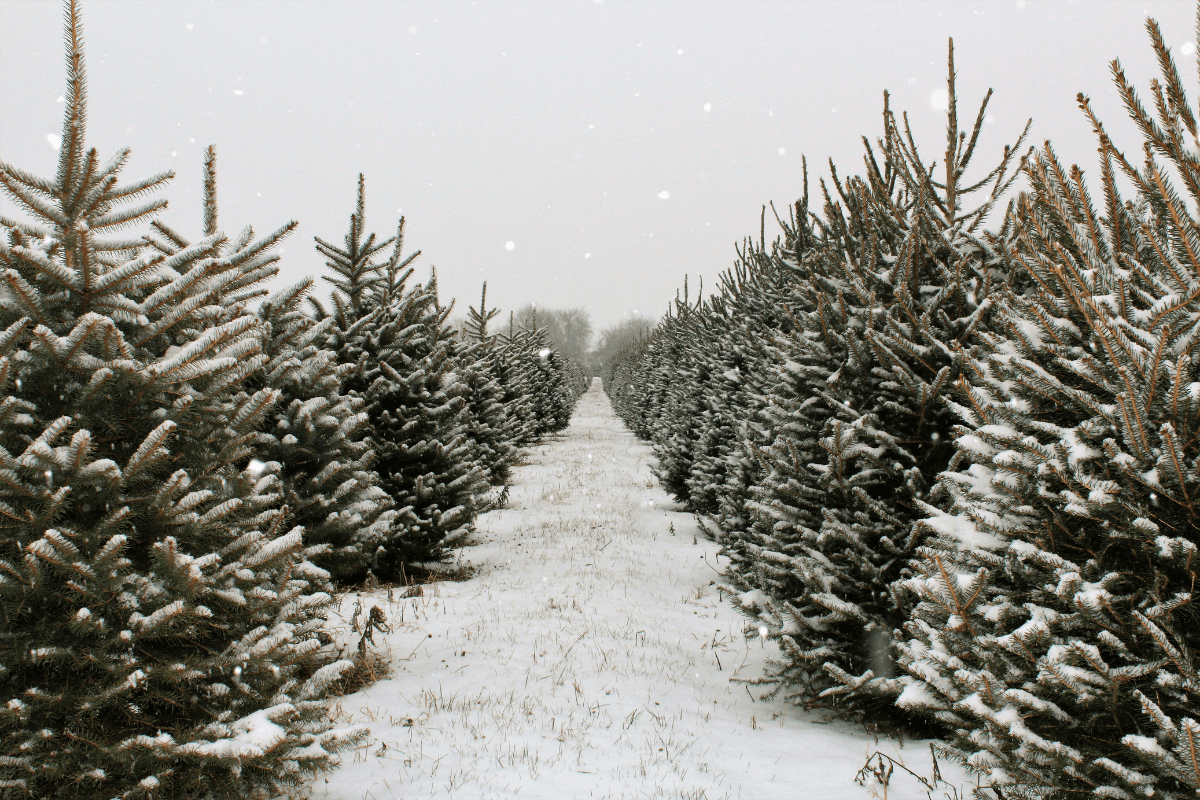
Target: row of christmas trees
{"points": [[957, 471], [184, 476]]}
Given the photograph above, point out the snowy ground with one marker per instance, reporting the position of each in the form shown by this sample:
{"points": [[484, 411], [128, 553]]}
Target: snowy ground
{"points": [[589, 657]]}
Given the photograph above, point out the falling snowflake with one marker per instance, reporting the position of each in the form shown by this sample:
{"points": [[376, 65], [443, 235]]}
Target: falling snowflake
{"points": [[708, 106], [664, 195], [509, 245], [940, 99]]}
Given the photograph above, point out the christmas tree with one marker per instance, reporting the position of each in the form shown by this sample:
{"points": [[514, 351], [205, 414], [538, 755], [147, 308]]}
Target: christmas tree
{"points": [[893, 295], [517, 388], [402, 355], [535, 371], [490, 426], [684, 343], [319, 436], [160, 622], [315, 432], [759, 301], [1057, 633]]}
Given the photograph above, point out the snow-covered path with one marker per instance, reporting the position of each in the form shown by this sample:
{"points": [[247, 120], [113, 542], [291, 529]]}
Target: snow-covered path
{"points": [[589, 657]]}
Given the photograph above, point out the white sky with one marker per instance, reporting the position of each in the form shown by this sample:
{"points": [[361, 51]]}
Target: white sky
{"points": [[554, 125]]}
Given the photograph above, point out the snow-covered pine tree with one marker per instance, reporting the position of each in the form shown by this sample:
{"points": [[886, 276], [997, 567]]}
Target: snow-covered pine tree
{"points": [[490, 427], [641, 378], [515, 382], [355, 278], [535, 371], [655, 387], [158, 619], [319, 435], [577, 377], [542, 363], [896, 289], [786, 395], [690, 335], [402, 353], [759, 293], [1058, 631], [632, 382], [613, 340], [706, 419], [563, 377]]}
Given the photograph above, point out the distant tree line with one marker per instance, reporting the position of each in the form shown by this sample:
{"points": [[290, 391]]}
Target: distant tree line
{"points": [[615, 339]]}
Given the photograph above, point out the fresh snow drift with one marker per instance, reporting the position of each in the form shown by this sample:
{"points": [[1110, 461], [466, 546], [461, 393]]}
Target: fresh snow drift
{"points": [[589, 657]]}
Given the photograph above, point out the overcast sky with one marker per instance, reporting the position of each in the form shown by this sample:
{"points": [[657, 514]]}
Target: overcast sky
{"points": [[569, 153]]}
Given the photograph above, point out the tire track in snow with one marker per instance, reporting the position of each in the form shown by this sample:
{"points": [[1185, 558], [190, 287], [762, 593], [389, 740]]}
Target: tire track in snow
{"points": [[589, 657]]}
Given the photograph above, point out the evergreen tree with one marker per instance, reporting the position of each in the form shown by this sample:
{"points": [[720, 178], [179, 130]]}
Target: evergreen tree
{"points": [[698, 385], [315, 432], [577, 379], [643, 386], [782, 436], [554, 396], [159, 620], [684, 342], [1058, 630], [518, 390], [318, 434], [489, 427], [628, 383], [536, 371], [761, 296], [402, 354], [894, 294]]}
